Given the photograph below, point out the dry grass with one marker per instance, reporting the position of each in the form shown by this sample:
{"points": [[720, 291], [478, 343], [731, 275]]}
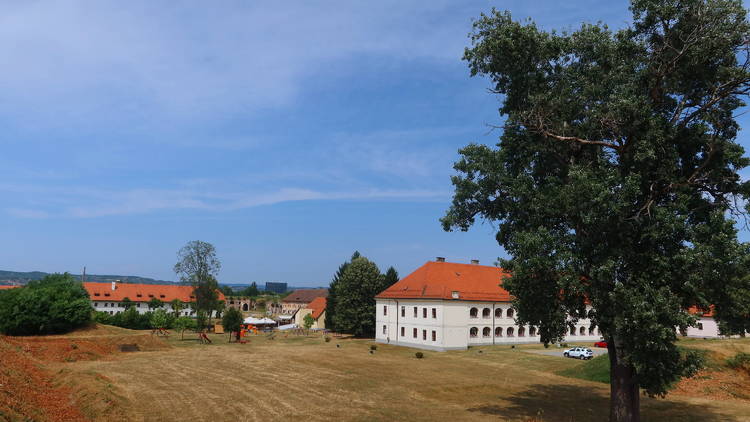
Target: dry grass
{"points": [[307, 379]]}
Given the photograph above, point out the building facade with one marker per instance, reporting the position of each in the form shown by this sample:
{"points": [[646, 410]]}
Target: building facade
{"points": [[109, 297], [300, 298], [316, 309], [450, 306]]}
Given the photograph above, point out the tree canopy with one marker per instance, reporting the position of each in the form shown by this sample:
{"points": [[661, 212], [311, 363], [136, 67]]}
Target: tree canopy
{"points": [[616, 178], [55, 304], [331, 300], [198, 265], [355, 297]]}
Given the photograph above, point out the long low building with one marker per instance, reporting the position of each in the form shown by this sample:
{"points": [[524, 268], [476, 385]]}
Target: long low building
{"points": [[446, 306], [109, 297]]}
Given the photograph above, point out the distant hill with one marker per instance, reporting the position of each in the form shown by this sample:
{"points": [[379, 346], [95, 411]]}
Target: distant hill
{"points": [[25, 277]]}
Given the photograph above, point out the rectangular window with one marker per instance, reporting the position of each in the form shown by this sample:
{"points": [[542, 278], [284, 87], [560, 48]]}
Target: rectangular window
{"points": [[384, 329], [424, 334], [403, 334], [415, 333], [385, 310], [105, 304], [415, 312], [700, 325], [403, 311], [424, 312], [434, 336], [434, 313]]}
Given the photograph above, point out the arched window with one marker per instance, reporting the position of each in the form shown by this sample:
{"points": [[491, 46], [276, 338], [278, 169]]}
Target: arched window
{"points": [[486, 332], [473, 332], [473, 312], [532, 331], [499, 313], [509, 332], [244, 307], [591, 331], [486, 313], [498, 332], [582, 331], [572, 330], [521, 332], [509, 314]]}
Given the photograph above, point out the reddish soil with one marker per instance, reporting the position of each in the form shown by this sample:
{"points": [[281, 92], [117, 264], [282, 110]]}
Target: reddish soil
{"points": [[27, 391], [31, 390], [716, 385]]}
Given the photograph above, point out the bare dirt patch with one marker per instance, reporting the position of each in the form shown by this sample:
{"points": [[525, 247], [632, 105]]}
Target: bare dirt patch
{"points": [[35, 383]]}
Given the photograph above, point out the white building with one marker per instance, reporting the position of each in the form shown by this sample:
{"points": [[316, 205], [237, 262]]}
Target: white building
{"points": [[446, 306], [109, 297]]}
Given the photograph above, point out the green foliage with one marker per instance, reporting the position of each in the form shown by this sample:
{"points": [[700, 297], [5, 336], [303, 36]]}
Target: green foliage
{"points": [[159, 319], [127, 303], [373, 347], [739, 361], [390, 277], [232, 320], [198, 265], [177, 306], [419, 355], [155, 303], [355, 298], [331, 300], [185, 323], [55, 304], [308, 321], [615, 176], [249, 291]]}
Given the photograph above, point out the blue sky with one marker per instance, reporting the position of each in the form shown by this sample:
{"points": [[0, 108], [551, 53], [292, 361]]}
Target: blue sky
{"points": [[286, 134]]}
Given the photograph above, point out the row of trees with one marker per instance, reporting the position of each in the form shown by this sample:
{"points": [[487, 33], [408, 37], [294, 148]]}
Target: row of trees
{"points": [[350, 306]]}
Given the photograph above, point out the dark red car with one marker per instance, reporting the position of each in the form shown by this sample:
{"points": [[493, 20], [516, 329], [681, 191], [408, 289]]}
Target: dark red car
{"points": [[601, 344]]}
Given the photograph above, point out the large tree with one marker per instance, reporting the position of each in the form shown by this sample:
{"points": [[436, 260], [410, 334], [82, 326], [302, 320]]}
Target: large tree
{"points": [[615, 179], [333, 292], [355, 298], [198, 265]]}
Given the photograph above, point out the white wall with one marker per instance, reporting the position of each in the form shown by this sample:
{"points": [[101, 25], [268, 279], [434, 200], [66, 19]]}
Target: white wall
{"points": [[453, 323], [141, 307]]}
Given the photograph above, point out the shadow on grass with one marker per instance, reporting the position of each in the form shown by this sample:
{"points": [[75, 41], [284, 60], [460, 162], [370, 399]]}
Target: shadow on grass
{"points": [[560, 402]]}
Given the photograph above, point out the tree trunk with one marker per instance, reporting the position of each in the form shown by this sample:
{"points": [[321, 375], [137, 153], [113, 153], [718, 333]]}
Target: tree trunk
{"points": [[624, 402]]}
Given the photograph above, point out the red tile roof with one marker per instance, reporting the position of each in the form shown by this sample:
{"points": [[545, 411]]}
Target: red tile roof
{"points": [[700, 312], [8, 287], [318, 306], [141, 292], [438, 280], [305, 295]]}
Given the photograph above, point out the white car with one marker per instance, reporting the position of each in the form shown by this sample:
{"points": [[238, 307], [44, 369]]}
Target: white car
{"points": [[579, 352]]}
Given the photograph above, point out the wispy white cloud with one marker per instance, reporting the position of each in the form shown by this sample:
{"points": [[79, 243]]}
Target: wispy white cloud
{"points": [[100, 203]]}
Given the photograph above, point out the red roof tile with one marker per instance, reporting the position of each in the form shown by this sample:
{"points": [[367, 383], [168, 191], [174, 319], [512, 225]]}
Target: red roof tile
{"points": [[141, 292], [8, 287], [318, 306], [305, 295], [438, 280], [700, 312]]}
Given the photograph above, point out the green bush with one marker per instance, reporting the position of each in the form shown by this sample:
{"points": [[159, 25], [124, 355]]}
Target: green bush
{"points": [[55, 304], [739, 361], [419, 355]]}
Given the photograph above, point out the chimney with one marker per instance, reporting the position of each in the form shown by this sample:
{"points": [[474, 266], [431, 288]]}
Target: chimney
{"points": [[440, 259], [475, 261], [114, 285]]}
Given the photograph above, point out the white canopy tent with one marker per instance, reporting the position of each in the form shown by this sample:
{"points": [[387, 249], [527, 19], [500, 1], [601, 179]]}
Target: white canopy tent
{"points": [[259, 321]]}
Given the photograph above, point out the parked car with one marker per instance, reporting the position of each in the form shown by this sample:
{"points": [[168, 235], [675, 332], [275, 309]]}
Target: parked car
{"points": [[601, 344], [579, 352]]}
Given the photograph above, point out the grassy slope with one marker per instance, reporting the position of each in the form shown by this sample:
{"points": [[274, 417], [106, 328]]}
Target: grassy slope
{"points": [[307, 379]]}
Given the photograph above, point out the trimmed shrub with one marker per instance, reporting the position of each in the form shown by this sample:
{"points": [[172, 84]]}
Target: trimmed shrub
{"points": [[327, 339], [419, 355], [373, 347], [53, 305]]}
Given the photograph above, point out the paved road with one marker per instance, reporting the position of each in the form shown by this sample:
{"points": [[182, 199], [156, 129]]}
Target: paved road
{"points": [[554, 351]]}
